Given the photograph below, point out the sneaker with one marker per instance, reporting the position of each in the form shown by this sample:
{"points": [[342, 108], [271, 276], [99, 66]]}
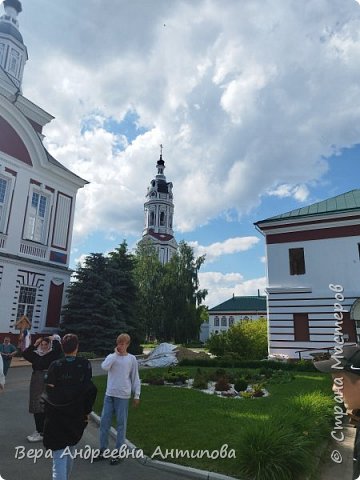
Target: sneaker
{"points": [[116, 461], [35, 437], [99, 457]]}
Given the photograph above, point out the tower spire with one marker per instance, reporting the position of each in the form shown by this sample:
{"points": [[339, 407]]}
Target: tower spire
{"points": [[13, 53]]}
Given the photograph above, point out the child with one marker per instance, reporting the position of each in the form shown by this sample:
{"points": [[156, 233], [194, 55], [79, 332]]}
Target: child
{"points": [[123, 379], [345, 370]]}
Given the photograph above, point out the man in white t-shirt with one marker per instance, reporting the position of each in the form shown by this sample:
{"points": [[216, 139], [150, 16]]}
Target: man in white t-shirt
{"points": [[123, 381]]}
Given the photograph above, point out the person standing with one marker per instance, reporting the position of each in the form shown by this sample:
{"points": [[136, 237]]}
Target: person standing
{"points": [[69, 397], [40, 355], [122, 381], [7, 352]]}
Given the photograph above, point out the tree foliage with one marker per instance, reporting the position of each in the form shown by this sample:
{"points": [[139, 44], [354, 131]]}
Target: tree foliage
{"points": [[101, 301], [122, 292], [246, 339]]}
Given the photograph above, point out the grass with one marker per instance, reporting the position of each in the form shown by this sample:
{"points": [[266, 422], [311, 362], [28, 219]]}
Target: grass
{"points": [[292, 420]]}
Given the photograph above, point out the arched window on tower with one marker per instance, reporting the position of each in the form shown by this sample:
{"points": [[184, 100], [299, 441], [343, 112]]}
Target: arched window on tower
{"points": [[162, 219], [170, 221], [14, 61], [2, 53], [152, 219]]}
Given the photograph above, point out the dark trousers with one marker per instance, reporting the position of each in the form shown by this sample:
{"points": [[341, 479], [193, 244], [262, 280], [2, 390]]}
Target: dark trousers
{"points": [[39, 422]]}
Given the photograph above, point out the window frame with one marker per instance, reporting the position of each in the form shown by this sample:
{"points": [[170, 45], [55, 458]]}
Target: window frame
{"points": [[29, 312], [297, 261], [15, 56], [9, 179], [31, 236]]}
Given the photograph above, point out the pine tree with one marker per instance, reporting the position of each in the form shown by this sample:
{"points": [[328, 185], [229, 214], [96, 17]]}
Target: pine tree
{"points": [[90, 310]]}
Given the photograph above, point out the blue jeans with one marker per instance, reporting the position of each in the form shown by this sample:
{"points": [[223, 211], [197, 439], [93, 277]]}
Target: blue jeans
{"points": [[120, 407], [62, 463]]}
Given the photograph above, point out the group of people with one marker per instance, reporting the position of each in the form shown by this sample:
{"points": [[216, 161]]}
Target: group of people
{"points": [[62, 395]]}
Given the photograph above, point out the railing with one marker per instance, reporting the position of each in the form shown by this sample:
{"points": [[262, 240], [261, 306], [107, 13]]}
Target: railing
{"points": [[33, 250], [326, 349]]}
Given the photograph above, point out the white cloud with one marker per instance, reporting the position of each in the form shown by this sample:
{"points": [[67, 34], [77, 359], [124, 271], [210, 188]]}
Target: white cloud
{"points": [[298, 192], [245, 98], [222, 286], [227, 247]]}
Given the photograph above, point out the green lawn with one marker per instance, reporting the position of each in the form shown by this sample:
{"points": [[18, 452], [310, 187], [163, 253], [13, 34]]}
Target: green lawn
{"points": [[188, 419]]}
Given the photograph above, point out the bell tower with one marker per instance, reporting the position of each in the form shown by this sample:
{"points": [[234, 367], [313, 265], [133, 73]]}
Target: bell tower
{"points": [[159, 213], [13, 53]]}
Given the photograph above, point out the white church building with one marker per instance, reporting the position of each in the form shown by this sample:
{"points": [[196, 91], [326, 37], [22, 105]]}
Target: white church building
{"points": [[313, 276], [37, 199], [159, 214]]}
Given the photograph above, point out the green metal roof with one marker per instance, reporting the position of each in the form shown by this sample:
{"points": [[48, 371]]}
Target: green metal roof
{"points": [[242, 304], [344, 203]]}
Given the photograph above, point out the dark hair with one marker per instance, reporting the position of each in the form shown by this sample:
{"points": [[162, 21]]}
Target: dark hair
{"points": [[70, 342], [46, 340]]}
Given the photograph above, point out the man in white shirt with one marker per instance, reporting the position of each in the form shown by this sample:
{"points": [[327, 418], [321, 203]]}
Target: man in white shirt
{"points": [[123, 380]]}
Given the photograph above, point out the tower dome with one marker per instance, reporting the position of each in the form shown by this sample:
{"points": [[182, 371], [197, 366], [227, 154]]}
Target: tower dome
{"points": [[13, 52]]}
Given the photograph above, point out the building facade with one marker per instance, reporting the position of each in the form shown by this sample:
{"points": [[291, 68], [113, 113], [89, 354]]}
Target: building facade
{"points": [[37, 199], [234, 310], [313, 253], [159, 215]]}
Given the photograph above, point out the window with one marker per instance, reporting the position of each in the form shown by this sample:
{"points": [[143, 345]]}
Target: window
{"points": [[216, 322], [223, 322], [14, 62], [359, 250], [5, 191], [301, 327], [231, 321], [2, 53], [162, 219], [37, 217], [297, 261], [26, 302], [152, 218]]}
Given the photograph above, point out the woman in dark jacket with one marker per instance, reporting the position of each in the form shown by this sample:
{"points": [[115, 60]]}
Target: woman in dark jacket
{"points": [[41, 354]]}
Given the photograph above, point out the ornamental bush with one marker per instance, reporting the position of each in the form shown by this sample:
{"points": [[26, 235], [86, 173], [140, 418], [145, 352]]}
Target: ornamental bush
{"points": [[244, 340]]}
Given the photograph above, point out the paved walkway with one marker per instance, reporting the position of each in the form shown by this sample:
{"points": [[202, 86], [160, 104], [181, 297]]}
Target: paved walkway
{"points": [[330, 470], [16, 423]]}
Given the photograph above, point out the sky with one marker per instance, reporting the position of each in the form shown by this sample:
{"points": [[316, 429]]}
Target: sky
{"points": [[257, 104]]}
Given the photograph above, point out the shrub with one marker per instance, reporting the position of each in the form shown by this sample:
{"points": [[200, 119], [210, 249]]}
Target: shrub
{"points": [[176, 376], [240, 385], [303, 366], [153, 378], [88, 355], [246, 339], [257, 390], [222, 385], [273, 452], [200, 380]]}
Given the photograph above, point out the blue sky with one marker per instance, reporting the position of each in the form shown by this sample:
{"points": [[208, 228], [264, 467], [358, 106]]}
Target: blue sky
{"points": [[256, 104]]}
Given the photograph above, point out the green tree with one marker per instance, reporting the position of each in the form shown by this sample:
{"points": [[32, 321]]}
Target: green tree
{"points": [[101, 301], [246, 339], [182, 296], [148, 274]]}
